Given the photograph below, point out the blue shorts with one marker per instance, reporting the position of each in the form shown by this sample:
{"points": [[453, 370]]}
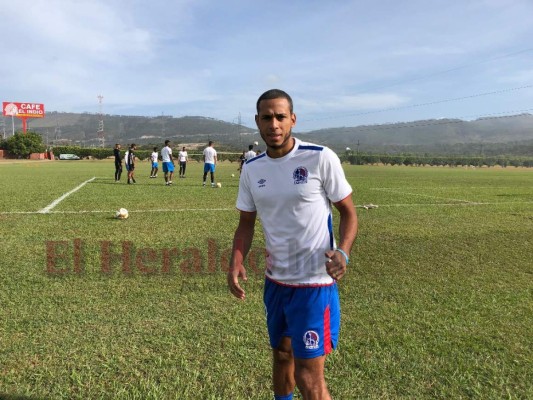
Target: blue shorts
{"points": [[309, 315], [168, 167], [209, 168], [155, 165]]}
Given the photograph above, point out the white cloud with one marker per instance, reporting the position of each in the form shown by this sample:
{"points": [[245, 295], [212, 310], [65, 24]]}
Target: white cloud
{"points": [[360, 102], [214, 58]]}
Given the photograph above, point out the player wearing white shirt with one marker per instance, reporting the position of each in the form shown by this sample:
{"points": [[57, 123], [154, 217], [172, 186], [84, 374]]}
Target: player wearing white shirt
{"points": [[183, 158], [292, 197], [291, 188], [210, 161], [155, 166], [250, 153], [168, 163]]}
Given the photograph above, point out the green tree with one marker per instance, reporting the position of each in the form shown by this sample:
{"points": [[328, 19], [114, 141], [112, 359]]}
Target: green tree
{"points": [[22, 145]]}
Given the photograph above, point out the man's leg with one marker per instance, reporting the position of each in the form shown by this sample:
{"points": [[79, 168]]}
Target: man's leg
{"points": [[309, 375], [283, 368]]}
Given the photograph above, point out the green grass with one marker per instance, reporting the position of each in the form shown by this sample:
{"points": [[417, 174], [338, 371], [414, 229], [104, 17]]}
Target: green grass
{"points": [[437, 303]]}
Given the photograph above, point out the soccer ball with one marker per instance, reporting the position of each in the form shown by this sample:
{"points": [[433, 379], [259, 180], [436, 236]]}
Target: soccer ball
{"points": [[122, 214], [219, 185], [233, 175], [256, 143]]}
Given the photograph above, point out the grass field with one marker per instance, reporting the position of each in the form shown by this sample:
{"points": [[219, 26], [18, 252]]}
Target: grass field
{"points": [[437, 303]]}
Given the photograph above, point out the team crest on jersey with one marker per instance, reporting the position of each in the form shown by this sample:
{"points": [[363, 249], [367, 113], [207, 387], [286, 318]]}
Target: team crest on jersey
{"points": [[311, 340], [300, 175], [261, 182]]}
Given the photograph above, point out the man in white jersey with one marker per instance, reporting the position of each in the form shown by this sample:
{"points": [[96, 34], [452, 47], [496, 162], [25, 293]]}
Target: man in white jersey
{"points": [[183, 158], [291, 187], [168, 163], [155, 166], [250, 153], [210, 162]]}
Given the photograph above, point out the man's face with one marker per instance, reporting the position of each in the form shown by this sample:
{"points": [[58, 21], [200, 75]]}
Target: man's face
{"points": [[275, 122]]}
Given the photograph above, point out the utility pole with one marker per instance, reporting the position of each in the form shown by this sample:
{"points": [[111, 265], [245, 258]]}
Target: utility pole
{"points": [[239, 129], [100, 132]]}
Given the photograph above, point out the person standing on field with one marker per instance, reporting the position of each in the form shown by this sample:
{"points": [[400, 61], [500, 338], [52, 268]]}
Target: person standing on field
{"points": [[118, 162], [210, 162], [131, 163], [155, 166], [291, 188], [168, 163], [250, 153], [183, 159]]}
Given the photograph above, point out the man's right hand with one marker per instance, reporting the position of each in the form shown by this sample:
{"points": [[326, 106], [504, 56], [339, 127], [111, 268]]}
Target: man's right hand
{"points": [[233, 281]]}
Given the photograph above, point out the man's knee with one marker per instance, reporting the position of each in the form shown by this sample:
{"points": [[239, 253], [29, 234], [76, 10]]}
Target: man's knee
{"points": [[283, 357], [309, 374]]}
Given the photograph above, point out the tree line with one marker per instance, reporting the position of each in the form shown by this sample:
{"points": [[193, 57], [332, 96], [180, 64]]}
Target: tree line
{"points": [[22, 145], [431, 160]]}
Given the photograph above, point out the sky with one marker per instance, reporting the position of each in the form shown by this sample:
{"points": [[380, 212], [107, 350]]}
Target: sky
{"points": [[345, 63]]}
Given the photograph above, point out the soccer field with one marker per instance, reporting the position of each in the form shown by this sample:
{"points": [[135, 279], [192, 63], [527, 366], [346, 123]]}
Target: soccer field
{"points": [[437, 301]]}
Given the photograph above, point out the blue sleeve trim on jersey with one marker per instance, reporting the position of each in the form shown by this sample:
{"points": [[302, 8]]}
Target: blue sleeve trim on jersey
{"points": [[330, 229], [255, 158], [307, 147]]}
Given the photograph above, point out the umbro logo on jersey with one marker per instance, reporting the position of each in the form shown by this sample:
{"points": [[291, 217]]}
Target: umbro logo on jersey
{"points": [[261, 182]]}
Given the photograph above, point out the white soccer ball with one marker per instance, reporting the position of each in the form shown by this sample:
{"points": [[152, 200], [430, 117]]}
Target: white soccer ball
{"points": [[233, 175], [219, 185], [122, 214], [256, 143]]}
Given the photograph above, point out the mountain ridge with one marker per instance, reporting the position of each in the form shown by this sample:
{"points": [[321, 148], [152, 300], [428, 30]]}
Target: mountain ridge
{"points": [[435, 135]]}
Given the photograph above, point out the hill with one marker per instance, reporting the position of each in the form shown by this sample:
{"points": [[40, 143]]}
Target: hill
{"points": [[82, 129], [502, 135]]}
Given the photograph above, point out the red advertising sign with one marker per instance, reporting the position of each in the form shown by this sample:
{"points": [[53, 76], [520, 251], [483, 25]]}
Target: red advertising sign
{"points": [[23, 110]]}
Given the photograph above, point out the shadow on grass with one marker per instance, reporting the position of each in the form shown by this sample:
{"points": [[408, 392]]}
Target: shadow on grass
{"points": [[5, 396]]}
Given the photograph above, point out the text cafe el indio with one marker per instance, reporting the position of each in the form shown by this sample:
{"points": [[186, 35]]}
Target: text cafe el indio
{"points": [[23, 110]]}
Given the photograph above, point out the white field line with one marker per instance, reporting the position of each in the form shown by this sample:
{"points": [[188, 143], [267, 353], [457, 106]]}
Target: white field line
{"points": [[469, 204], [423, 195], [52, 205], [170, 210]]}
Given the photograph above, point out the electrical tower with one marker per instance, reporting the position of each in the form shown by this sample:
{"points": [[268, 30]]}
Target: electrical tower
{"points": [[57, 133], [100, 133], [239, 130]]}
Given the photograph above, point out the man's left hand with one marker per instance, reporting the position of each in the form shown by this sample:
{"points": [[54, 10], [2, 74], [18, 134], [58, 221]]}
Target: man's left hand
{"points": [[336, 265]]}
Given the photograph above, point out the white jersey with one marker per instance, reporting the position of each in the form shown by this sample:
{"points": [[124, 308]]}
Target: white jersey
{"points": [[166, 154], [126, 157], [154, 156], [292, 196], [182, 156], [209, 155], [249, 155]]}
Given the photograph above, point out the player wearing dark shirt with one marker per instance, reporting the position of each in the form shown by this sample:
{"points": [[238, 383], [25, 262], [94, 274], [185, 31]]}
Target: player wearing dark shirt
{"points": [[131, 163], [118, 162]]}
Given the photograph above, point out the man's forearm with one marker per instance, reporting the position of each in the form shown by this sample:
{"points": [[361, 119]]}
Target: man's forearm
{"points": [[347, 230], [242, 242]]}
